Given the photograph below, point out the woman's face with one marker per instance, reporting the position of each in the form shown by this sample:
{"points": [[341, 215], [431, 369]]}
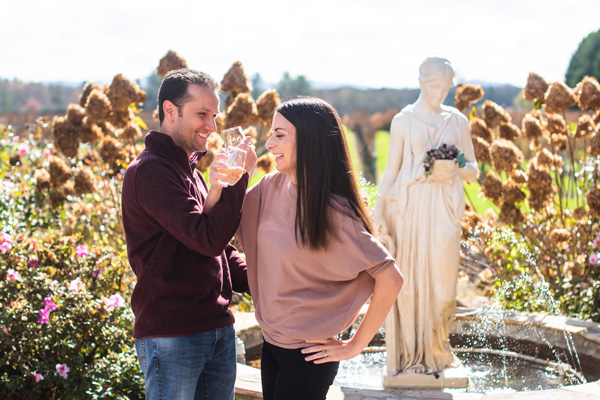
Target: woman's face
{"points": [[282, 144], [435, 92]]}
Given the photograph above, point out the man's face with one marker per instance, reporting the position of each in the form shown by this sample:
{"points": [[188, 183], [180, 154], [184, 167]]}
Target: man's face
{"points": [[192, 123]]}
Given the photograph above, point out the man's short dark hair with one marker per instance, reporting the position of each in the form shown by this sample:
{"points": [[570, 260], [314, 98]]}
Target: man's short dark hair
{"points": [[174, 87]]}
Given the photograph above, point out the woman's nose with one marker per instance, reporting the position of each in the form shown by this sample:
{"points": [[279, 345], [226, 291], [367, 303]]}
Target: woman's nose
{"points": [[268, 144]]}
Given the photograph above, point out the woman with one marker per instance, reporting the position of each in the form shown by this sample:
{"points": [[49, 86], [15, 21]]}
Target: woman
{"points": [[418, 218], [312, 260]]}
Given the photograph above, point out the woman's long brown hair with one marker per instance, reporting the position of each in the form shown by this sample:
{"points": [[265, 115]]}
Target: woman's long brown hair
{"points": [[323, 170]]}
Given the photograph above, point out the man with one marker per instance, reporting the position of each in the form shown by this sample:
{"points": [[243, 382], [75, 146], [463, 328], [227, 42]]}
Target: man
{"points": [[179, 250]]}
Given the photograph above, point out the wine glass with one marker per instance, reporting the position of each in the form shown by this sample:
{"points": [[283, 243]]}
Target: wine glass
{"points": [[236, 158], [233, 137]]}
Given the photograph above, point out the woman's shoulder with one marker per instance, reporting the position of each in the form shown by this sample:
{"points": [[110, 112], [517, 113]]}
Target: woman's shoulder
{"points": [[272, 178], [341, 208]]}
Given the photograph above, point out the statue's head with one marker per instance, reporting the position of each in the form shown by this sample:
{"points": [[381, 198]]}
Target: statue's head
{"points": [[435, 78], [436, 68]]}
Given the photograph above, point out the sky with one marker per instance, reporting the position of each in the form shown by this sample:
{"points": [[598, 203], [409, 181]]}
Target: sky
{"points": [[370, 43]]}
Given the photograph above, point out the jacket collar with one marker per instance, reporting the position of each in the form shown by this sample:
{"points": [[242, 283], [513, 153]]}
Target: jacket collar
{"points": [[163, 145]]}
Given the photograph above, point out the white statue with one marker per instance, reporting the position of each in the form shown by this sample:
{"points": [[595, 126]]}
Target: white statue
{"points": [[418, 216]]}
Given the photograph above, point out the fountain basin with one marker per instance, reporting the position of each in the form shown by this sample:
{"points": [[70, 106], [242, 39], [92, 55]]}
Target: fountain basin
{"points": [[517, 337]]}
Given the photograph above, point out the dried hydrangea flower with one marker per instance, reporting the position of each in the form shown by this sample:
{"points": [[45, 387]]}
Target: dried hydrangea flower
{"points": [[543, 160], [480, 129], [236, 80], [535, 88], [250, 131], [87, 89], [594, 148], [539, 183], [510, 214], [509, 131], [59, 172], [482, 150], [130, 132], [75, 114], [585, 127], [170, 61], [220, 121], [556, 124], [580, 214], [560, 142], [559, 97], [588, 93], [531, 126], [213, 145], [65, 136], [123, 92], [266, 162], [519, 177], [111, 151], [266, 104], [121, 118], [494, 115], [560, 238], [492, 187], [85, 182], [512, 193], [467, 94], [241, 112], [505, 156], [97, 107], [90, 133], [42, 179]]}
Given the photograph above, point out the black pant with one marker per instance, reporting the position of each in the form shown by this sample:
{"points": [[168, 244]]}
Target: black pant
{"points": [[287, 376]]}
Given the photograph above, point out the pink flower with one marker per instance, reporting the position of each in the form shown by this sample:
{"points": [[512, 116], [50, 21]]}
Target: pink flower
{"points": [[81, 251], [596, 242], [594, 259], [6, 242], [74, 286], [23, 148], [44, 316], [16, 139], [33, 261], [13, 276], [62, 370], [47, 153], [96, 273], [50, 304], [38, 377], [5, 330], [113, 302]]}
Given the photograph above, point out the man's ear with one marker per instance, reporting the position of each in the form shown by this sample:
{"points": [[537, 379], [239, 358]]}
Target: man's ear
{"points": [[170, 110]]}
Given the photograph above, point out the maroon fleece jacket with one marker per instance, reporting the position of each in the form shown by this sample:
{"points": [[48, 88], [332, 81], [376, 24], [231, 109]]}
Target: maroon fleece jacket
{"points": [[185, 267]]}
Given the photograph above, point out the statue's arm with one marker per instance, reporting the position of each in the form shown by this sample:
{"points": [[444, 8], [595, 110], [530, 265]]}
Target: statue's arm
{"points": [[471, 171], [394, 162]]}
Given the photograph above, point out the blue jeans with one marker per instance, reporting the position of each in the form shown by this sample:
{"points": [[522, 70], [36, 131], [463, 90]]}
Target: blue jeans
{"points": [[197, 367]]}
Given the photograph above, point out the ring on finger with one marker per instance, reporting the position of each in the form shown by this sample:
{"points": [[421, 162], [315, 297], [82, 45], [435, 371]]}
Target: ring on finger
{"points": [[324, 353]]}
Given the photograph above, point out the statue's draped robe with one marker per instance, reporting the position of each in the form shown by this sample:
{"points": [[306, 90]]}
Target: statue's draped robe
{"points": [[422, 215]]}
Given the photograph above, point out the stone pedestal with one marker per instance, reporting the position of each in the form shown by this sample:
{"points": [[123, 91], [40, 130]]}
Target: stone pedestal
{"points": [[454, 377]]}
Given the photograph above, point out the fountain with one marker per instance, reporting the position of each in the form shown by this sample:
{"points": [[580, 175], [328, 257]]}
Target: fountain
{"points": [[527, 337]]}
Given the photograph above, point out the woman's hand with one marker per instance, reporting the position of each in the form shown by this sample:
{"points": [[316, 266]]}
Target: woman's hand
{"points": [[251, 157], [332, 350]]}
